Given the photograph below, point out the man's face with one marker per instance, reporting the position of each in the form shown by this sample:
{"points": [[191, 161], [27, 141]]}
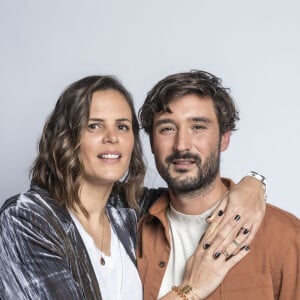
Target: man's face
{"points": [[186, 143]]}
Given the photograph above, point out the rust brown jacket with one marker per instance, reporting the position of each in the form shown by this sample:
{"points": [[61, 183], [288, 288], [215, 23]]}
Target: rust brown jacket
{"points": [[270, 271]]}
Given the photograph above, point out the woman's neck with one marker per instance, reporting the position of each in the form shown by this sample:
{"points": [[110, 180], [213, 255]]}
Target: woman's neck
{"points": [[94, 198]]}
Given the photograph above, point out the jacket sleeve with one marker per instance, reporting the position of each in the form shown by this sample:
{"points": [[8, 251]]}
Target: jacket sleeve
{"points": [[33, 258], [289, 286]]}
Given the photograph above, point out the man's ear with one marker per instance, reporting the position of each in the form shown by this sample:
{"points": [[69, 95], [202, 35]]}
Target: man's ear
{"points": [[151, 142], [225, 140]]}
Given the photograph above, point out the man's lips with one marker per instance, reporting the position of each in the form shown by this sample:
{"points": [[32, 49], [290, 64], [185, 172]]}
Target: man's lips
{"points": [[183, 161]]}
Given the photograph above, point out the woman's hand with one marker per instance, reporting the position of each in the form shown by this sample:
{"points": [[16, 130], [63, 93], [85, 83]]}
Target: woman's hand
{"points": [[238, 217], [204, 272], [234, 223]]}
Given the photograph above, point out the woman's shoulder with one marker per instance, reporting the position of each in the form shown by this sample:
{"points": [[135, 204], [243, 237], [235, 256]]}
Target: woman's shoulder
{"points": [[31, 200], [32, 205]]}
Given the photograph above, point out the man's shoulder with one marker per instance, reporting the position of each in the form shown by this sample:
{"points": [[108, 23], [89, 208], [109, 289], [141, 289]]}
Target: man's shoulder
{"points": [[278, 216], [280, 225], [149, 197]]}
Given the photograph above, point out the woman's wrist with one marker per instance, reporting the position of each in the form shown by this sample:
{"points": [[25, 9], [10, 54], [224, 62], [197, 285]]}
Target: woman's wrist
{"points": [[186, 292]]}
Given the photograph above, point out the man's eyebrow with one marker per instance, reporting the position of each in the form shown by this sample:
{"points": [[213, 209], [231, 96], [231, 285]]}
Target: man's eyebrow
{"points": [[163, 121], [193, 119], [201, 119]]}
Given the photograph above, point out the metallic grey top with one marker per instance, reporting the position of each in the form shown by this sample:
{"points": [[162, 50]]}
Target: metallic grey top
{"points": [[42, 255]]}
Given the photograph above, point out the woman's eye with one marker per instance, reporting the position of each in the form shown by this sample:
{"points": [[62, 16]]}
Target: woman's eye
{"points": [[93, 126], [123, 127]]}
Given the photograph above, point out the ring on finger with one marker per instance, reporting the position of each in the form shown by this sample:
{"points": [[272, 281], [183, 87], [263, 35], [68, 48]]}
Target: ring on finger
{"points": [[236, 243], [226, 254]]}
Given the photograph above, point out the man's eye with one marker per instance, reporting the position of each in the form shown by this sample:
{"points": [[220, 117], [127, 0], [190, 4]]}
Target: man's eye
{"points": [[166, 130], [199, 127]]}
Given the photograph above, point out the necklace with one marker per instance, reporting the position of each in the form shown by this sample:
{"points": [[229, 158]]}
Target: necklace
{"points": [[102, 260]]}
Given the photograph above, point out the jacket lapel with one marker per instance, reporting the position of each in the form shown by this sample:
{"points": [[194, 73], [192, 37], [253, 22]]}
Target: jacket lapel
{"points": [[123, 221], [78, 257]]}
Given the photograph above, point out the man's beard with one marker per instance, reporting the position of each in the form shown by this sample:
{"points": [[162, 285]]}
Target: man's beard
{"points": [[207, 172]]}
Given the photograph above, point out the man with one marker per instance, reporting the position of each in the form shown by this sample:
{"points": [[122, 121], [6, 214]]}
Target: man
{"points": [[189, 118]]}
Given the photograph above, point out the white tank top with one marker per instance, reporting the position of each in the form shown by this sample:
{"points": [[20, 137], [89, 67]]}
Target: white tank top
{"points": [[118, 278]]}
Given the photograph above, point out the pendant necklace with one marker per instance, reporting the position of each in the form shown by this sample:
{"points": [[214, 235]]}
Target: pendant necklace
{"points": [[102, 260]]}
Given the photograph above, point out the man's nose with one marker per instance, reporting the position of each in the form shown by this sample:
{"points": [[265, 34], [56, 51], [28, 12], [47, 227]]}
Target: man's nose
{"points": [[182, 141]]}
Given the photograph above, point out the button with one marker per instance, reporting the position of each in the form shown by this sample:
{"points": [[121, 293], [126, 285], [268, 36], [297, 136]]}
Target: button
{"points": [[162, 264]]}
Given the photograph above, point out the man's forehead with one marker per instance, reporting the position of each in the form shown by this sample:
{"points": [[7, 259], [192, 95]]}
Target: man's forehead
{"points": [[191, 105]]}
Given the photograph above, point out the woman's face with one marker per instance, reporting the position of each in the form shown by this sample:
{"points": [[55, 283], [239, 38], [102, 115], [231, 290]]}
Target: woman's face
{"points": [[108, 140]]}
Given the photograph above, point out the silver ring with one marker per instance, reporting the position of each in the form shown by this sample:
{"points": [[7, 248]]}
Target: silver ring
{"points": [[236, 243], [226, 254]]}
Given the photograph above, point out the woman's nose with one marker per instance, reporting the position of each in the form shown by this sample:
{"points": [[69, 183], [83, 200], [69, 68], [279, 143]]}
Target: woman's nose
{"points": [[111, 136]]}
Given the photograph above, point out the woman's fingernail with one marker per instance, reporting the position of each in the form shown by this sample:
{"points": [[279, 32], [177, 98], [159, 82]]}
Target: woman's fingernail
{"points": [[216, 254], [231, 255], [246, 248], [206, 245], [246, 231], [220, 213], [237, 218]]}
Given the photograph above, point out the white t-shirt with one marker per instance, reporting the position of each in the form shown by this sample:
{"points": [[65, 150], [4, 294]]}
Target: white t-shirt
{"points": [[118, 278], [185, 232]]}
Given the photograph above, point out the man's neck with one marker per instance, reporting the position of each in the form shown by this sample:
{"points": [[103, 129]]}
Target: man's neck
{"points": [[197, 202]]}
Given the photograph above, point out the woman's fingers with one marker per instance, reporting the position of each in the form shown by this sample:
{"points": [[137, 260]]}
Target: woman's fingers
{"points": [[249, 214], [238, 256], [225, 238], [204, 272], [222, 235], [219, 210], [240, 241], [215, 220]]}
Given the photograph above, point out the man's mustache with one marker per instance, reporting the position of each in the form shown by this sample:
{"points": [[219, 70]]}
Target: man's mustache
{"points": [[186, 155]]}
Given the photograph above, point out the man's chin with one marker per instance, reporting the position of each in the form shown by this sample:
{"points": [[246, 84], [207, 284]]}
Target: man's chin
{"points": [[177, 172], [182, 181]]}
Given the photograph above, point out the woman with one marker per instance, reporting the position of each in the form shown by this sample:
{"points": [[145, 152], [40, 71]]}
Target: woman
{"points": [[72, 235]]}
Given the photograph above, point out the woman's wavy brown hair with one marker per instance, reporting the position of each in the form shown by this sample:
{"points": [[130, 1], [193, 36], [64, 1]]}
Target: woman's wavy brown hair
{"points": [[58, 167]]}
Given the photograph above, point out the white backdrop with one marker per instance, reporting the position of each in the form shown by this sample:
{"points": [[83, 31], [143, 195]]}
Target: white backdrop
{"points": [[253, 45]]}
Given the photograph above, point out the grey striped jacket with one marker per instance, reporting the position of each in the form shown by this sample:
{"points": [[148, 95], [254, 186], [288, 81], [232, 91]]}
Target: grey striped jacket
{"points": [[42, 255]]}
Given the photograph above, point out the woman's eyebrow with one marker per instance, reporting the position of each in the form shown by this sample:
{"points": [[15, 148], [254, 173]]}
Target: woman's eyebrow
{"points": [[103, 120]]}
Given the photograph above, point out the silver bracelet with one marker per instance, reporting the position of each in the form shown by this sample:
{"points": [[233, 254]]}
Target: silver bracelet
{"points": [[262, 179]]}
